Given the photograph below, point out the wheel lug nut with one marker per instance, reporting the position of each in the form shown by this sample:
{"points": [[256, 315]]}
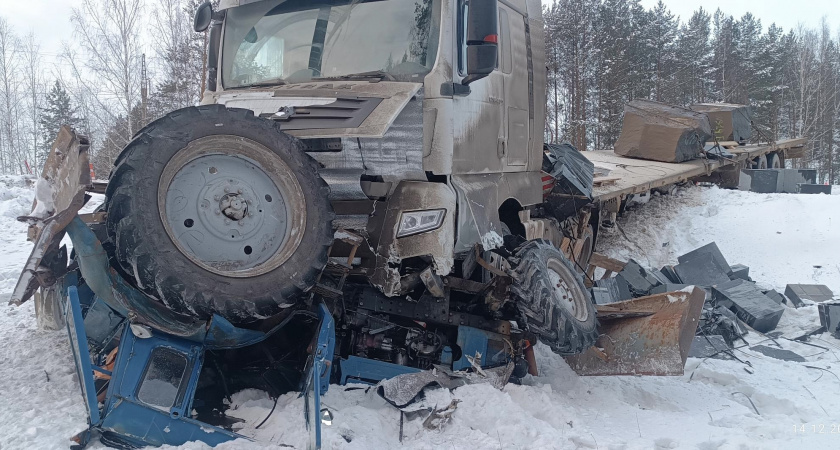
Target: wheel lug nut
{"points": [[250, 214], [218, 212], [239, 191], [227, 189], [215, 197], [227, 221], [241, 223]]}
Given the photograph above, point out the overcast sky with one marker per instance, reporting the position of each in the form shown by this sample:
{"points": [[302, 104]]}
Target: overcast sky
{"points": [[785, 13], [50, 19]]}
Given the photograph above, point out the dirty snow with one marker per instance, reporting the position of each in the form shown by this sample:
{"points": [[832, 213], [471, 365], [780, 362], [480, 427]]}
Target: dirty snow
{"points": [[715, 405]]}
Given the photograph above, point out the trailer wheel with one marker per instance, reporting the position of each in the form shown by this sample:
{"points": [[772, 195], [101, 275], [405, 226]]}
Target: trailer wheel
{"points": [[760, 162], [774, 161], [213, 210], [552, 299]]}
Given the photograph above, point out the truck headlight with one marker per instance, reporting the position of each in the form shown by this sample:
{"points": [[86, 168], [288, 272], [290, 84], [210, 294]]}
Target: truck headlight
{"points": [[415, 222]]}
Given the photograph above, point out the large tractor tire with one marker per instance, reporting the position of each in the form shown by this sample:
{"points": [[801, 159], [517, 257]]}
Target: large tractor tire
{"points": [[552, 299], [213, 210]]}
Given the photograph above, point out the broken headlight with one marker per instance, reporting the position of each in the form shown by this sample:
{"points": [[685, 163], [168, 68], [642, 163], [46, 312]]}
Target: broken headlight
{"points": [[415, 222]]}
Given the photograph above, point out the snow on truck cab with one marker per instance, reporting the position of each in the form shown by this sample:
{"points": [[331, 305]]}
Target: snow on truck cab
{"points": [[363, 195]]}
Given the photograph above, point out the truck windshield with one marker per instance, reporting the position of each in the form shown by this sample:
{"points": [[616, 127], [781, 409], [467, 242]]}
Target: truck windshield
{"points": [[291, 41]]}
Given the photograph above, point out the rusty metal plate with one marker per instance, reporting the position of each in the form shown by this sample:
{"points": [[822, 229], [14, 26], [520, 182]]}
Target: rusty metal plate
{"points": [[651, 344], [65, 178]]}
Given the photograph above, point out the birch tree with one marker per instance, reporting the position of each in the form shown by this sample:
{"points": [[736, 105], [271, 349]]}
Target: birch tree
{"points": [[109, 33]]}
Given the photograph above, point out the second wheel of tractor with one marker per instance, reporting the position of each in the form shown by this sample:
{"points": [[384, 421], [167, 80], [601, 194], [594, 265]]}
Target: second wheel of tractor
{"points": [[552, 299]]}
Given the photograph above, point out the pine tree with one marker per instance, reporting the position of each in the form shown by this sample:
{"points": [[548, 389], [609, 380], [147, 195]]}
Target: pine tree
{"points": [[694, 59], [615, 38], [58, 111], [662, 36]]}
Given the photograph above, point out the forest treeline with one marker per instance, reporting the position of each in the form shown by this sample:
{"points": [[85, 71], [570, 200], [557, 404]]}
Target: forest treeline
{"points": [[604, 53], [130, 61]]}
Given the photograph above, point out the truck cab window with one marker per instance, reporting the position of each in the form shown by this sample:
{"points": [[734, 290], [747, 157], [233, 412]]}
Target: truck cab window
{"points": [[163, 377], [300, 40]]}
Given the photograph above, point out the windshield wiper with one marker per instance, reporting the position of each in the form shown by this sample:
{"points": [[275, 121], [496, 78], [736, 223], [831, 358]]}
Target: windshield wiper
{"points": [[263, 83], [361, 75]]}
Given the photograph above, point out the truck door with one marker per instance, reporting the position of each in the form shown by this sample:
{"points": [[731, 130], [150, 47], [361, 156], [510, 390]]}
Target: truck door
{"points": [[513, 63], [480, 123]]}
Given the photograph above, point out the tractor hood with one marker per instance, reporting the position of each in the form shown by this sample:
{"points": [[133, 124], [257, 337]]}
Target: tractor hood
{"points": [[324, 109]]}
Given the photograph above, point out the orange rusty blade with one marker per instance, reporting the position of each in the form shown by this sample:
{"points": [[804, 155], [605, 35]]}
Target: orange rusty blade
{"points": [[62, 186], [644, 336]]}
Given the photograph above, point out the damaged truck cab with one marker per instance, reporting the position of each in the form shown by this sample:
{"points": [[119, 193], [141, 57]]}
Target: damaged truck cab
{"points": [[425, 116]]}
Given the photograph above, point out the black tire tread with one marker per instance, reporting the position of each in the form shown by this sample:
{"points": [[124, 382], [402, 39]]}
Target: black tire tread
{"points": [[156, 267], [555, 326]]}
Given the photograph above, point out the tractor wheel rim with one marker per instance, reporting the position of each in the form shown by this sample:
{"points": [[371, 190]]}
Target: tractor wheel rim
{"points": [[228, 204], [567, 294]]}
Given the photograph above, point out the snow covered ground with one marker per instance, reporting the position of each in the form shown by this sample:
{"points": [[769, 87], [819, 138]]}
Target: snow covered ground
{"points": [[716, 405]]}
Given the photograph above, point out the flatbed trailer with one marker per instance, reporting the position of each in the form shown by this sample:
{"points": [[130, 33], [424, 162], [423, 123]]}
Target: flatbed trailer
{"points": [[629, 176]]}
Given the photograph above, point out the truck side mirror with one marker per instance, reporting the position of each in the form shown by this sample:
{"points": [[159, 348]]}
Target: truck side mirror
{"points": [[203, 15], [482, 39]]}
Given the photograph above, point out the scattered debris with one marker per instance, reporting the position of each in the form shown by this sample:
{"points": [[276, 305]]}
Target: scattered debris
{"points": [[618, 289], [740, 271], [668, 287], [769, 181], [670, 273], [702, 270], [807, 335], [714, 346], [712, 249], [778, 353], [815, 188], [439, 417], [816, 293], [775, 296], [601, 295], [717, 320], [638, 279], [749, 304], [567, 165], [571, 173], [661, 277], [830, 317]]}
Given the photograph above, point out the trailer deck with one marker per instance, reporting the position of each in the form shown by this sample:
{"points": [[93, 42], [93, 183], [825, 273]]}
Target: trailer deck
{"points": [[632, 176]]}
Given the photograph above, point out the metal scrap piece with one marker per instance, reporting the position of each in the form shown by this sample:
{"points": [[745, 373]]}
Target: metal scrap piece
{"points": [[60, 194]]}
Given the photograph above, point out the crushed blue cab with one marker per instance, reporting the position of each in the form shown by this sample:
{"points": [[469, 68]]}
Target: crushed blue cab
{"points": [[153, 383], [150, 398], [130, 416], [370, 371]]}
